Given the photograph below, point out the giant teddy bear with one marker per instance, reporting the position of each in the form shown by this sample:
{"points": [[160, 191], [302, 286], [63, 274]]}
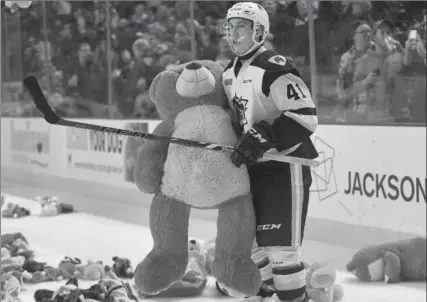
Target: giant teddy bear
{"points": [[191, 102]]}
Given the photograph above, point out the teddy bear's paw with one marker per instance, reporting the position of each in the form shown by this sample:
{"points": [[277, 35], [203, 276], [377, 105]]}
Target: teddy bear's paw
{"points": [[240, 277], [157, 272]]}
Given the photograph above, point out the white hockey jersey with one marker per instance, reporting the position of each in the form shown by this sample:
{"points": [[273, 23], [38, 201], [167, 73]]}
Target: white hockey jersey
{"points": [[267, 87]]}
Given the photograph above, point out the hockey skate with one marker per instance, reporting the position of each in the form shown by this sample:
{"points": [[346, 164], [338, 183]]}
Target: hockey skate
{"points": [[264, 292], [274, 298]]}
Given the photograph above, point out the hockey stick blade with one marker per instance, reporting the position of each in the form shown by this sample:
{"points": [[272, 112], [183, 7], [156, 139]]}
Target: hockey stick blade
{"points": [[39, 100], [51, 117]]}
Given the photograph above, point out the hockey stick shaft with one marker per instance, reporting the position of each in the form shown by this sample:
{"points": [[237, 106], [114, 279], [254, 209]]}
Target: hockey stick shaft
{"points": [[51, 117]]}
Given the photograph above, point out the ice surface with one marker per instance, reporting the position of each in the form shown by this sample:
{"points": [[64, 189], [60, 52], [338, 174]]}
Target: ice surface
{"points": [[96, 238]]}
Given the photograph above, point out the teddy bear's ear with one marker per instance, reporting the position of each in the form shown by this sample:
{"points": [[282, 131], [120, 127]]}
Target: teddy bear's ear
{"points": [[153, 87]]}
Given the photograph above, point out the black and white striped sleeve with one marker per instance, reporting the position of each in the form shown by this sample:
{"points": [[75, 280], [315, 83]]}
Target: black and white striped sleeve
{"points": [[298, 118]]}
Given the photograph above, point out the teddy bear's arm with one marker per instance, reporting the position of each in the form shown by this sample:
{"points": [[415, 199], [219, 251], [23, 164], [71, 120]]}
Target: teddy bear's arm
{"points": [[151, 157]]}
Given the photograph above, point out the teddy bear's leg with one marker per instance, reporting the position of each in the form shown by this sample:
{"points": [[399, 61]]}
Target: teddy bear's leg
{"points": [[233, 267], [167, 261]]}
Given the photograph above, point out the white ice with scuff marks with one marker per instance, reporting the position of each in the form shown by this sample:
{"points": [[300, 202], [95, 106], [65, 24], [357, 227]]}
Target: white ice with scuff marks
{"points": [[90, 237]]}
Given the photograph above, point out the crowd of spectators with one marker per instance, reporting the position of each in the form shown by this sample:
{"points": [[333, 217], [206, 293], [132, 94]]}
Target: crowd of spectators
{"points": [[68, 45]]}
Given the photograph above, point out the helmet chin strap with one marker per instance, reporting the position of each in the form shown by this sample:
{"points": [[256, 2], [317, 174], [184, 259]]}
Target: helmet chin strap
{"points": [[251, 49]]}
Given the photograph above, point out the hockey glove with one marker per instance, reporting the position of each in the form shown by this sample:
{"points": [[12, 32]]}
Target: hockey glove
{"points": [[253, 144]]}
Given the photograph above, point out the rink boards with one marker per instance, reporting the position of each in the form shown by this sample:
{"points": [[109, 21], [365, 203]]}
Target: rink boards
{"points": [[369, 176]]}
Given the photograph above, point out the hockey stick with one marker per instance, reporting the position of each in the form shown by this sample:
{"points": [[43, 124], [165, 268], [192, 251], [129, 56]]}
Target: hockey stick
{"points": [[51, 117]]}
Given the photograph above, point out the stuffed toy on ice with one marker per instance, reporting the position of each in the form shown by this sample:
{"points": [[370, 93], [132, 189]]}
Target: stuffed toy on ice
{"points": [[122, 267], [50, 206], [191, 102], [12, 210], [11, 281], [74, 268], [118, 291], [49, 273], [17, 245], [403, 260], [72, 292], [321, 286], [11, 286]]}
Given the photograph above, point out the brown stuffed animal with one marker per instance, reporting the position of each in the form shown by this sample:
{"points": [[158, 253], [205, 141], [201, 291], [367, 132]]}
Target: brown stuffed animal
{"points": [[17, 245], [11, 286], [15, 211], [67, 266], [122, 267], [392, 262], [192, 104], [73, 267], [48, 273], [118, 291], [92, 270]]}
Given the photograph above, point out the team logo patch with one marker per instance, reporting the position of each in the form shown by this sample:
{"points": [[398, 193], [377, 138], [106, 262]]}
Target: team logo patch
{"points": [[278, 60], [228, 82]]}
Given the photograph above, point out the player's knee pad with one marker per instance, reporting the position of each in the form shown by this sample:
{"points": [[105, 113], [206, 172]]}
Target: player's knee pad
{"points": [[283, 257]]}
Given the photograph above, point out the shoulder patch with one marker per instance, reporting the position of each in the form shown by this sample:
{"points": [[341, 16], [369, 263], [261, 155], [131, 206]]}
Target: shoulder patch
{"points": [[278, 60], [274, 63], [228, 82]]}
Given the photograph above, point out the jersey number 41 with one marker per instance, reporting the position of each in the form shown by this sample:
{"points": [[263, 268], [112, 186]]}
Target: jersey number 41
{"points": [[293, 94]]}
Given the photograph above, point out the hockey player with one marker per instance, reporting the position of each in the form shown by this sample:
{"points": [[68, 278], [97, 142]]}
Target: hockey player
{"points": [[274, 110]]}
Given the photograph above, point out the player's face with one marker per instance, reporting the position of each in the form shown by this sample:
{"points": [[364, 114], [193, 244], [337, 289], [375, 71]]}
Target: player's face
{"points": [[240, 33]]}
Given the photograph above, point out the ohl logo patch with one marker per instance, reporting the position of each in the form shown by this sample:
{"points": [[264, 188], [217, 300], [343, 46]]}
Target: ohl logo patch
{"points": [[278, 60], [240, 106]]}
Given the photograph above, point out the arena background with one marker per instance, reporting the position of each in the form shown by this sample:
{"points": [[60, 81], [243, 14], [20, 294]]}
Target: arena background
{"points": [[50, 37]]}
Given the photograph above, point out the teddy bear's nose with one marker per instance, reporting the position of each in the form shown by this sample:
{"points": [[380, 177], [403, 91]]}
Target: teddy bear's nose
{"points": [[193, 66]]}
